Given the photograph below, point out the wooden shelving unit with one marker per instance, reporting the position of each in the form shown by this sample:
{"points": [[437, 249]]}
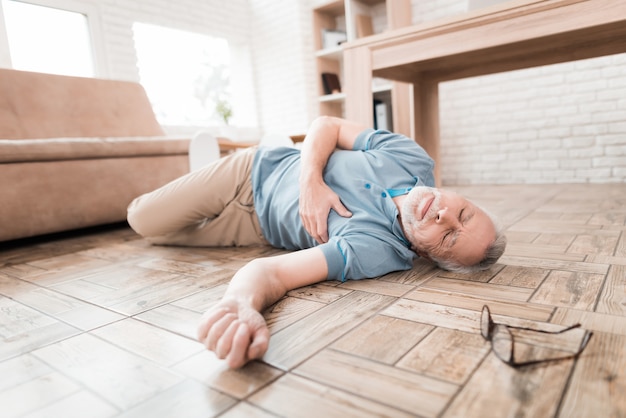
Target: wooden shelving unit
{"points": [[354, 18]]}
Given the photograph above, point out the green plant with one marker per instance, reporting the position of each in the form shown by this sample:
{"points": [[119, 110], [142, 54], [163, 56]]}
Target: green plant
{"points": [[224, 109]]}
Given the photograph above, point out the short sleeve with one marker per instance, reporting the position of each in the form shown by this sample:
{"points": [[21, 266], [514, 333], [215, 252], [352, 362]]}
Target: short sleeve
{"points": [[402, 150]]}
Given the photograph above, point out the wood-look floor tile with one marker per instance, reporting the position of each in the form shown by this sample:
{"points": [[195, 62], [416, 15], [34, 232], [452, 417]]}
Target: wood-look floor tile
{"points": [[498, 390], [77, 405], [447, 354], [421, 272], [152, 343], [614, 324], [595, 243], [585, 267], [23, 329], [606, 259], [18, 271], [89, 317], [115, 252], [525, 310], [294, 344], [435, 315], [551, 252], [64, 268], [246, 410], [608, 218], [620, 248], [597, 385], [378, 286], [478, 276], [486, 290], [187, 399], [68, 309], [367, 347], [175, 266], [520, 276], [203, 300], [205, 367], [613, 297], [521, 237], [287, 311], [410, 392], [36, 393], [556, 238], [569, 289], [136, 289], [383, 339], [21, 369], [178, 320], [293, 396], [319, 293], [121, 378]]}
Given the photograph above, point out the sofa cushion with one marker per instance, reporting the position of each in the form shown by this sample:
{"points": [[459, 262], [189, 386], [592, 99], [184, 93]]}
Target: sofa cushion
{"points": [[37, 105], [28, 150]]}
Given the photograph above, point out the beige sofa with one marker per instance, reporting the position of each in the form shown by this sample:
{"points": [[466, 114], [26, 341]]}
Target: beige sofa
{"points": [[75, 151]]}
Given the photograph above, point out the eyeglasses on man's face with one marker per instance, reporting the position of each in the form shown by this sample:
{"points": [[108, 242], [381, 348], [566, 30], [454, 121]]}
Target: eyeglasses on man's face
{"points": [[503, 343]]}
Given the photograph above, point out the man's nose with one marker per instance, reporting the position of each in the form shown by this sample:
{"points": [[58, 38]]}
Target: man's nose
{"points": [[445, 217]]}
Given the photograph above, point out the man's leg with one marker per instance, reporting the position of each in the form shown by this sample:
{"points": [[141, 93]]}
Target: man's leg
{"points": [[209, 207]]}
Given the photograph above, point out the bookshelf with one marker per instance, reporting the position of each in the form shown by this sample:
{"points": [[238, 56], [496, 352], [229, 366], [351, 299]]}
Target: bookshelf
{"points": [[347, 20]]}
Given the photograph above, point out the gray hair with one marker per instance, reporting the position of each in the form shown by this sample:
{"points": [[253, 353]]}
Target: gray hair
{"points": [[493, 252]]}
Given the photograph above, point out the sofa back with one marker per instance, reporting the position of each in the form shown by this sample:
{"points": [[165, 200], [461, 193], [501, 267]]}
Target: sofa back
{"points": [[37, 105]]}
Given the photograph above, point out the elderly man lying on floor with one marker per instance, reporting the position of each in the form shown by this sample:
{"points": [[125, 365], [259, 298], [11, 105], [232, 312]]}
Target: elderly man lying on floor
{"points": [[356, 202]]}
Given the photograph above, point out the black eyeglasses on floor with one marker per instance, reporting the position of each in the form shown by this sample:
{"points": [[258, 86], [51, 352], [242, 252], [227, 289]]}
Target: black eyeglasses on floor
{"points": [[503, 343]]}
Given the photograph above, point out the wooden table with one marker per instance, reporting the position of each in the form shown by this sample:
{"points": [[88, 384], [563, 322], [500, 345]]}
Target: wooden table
{"points": [[513, 35]]}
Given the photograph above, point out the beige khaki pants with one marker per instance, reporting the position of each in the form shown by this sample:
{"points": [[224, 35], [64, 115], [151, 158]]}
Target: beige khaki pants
{"points": [[212, 206]]}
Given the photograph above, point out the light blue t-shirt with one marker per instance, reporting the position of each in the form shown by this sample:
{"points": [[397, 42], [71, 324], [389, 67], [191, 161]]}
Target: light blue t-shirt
{"points": [[370, 243]]}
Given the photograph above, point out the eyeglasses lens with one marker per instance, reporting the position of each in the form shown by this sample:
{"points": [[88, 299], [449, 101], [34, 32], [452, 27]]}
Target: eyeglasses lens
{"points": [[502, 343], [485, 321]]}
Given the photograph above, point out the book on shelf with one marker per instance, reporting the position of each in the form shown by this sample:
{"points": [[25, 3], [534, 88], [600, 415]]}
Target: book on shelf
{"points": [[331, 83]]}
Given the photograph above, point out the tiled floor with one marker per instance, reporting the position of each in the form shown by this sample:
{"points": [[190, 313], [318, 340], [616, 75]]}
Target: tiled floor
{"points": [[101, 324]]}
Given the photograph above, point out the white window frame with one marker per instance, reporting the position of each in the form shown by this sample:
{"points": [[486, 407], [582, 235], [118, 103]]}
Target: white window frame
{"points": [[93, 23]]}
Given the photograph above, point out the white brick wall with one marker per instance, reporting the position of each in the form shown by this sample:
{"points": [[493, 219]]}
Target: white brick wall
{"points": [[284, 64]]}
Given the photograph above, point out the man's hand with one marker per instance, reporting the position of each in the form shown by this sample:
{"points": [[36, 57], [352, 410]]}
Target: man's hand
{"points": [[316, 201], [234, 331], [234, 328], [325, 135]]}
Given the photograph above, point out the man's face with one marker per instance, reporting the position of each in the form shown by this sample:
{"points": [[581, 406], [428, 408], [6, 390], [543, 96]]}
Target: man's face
{"points": [[446, 225]]}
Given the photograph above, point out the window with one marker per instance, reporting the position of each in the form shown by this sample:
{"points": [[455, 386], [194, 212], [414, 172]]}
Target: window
{"points": [[185, 74], [48, 39]]}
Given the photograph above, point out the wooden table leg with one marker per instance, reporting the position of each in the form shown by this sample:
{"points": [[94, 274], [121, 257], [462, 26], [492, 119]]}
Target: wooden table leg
{"points": [[358, 85], [426, 120]]}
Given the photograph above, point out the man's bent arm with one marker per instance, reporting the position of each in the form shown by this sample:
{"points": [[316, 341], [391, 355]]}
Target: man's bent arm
{"points": [[316, 199], [235, 329]]}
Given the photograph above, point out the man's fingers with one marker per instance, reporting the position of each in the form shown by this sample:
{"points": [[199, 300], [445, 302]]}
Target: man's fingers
{"points": [[218, 329], [208, 319], [259, 344], [225, 342], [341, 209], [241, 341], [322, 235]]}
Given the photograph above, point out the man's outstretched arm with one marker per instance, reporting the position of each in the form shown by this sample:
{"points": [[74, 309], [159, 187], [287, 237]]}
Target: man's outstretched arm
{"points": [[234, 328], [316, 198]]}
